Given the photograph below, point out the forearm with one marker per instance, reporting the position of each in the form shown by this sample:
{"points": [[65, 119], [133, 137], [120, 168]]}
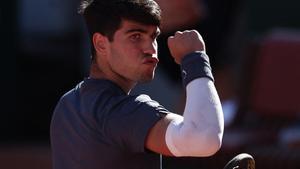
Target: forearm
{"points": [[200, 131], [204, 116]]}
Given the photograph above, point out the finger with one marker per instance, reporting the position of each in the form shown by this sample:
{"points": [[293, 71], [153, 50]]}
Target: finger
{"points": [[170, 39], [177, 33], [186, 31]]}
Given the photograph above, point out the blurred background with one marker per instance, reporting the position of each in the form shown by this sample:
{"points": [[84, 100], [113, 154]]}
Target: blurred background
{"points": [[254, 49]]}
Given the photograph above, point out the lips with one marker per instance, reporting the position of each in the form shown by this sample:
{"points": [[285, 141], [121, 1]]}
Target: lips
{"points": [[151, 61]]}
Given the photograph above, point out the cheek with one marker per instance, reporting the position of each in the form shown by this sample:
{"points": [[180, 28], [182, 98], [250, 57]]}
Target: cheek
{"points": [[123, 56], [126, 55], [124, 61]]}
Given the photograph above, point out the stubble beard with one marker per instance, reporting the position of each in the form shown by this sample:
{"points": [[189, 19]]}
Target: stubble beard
{"points": [[147, 77]]}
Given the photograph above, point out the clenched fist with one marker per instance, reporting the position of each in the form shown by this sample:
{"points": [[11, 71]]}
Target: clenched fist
{"points": [[183, 43]]}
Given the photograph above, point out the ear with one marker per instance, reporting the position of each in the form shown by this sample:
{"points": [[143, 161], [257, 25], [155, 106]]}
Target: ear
{"points": [[100, 43]]}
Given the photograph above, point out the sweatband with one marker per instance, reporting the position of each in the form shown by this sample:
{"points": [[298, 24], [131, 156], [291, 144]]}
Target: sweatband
{"points": [[195, 65]]}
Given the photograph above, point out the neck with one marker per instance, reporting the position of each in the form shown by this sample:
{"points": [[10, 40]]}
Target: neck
{"points": [[97, 73]]}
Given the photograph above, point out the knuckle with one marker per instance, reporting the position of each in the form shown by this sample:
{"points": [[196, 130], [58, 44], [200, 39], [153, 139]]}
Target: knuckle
{"points": [[194, 31], [178, 33]]}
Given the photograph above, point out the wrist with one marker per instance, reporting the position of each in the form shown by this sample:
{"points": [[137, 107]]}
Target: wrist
{"points": [[195, 65]]}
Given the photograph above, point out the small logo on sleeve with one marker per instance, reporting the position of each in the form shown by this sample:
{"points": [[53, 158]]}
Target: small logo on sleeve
{"points": [[184, 73]]}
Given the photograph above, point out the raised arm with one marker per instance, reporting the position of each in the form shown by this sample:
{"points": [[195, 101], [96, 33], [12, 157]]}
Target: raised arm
{"points": [[199, 131]]}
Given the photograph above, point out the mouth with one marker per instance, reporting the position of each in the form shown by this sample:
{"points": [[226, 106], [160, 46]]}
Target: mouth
{"points": [[151, 61]]}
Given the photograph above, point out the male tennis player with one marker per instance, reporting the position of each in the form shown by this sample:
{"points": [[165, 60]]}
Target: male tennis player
{"points": [[99, 125]]}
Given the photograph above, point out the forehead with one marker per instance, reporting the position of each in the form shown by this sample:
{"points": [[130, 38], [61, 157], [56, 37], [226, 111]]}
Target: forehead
{"points": [[128, 26]]}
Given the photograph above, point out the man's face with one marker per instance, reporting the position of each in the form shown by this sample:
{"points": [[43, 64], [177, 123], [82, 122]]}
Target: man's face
{"points": [[133, 52]]}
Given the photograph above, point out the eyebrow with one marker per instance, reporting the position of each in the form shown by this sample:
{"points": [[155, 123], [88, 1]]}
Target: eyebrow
{"points": [[136, 30], [156, 33]]}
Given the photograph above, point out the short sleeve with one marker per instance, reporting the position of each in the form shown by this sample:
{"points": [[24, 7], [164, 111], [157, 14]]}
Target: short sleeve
{"points": [[129, 120]]}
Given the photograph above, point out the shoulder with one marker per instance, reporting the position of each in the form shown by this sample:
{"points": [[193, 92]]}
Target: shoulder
{"points": [[70, 95]]}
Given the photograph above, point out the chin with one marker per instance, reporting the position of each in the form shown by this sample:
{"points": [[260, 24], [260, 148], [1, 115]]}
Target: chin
{"points": [[147, 78]]}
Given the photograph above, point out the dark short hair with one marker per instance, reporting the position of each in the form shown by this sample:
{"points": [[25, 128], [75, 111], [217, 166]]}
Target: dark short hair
{"points": [[105, 16]]}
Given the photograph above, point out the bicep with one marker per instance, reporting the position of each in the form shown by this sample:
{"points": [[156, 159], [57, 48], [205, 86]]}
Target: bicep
{"points": [[155, 140]]}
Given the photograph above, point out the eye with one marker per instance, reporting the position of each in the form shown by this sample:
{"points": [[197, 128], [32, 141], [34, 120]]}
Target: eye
{"points": [[135, 37]]}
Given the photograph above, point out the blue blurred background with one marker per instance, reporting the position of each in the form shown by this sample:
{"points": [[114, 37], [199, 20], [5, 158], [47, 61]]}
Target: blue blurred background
{"points": [[254, 47]]}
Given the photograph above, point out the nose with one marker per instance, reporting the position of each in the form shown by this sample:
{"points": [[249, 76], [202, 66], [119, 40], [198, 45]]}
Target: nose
{"points": [[151, 49]]}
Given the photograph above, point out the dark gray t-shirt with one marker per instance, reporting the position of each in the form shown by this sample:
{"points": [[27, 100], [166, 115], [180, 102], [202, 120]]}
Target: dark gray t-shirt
{"points": [[98, 126]]}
